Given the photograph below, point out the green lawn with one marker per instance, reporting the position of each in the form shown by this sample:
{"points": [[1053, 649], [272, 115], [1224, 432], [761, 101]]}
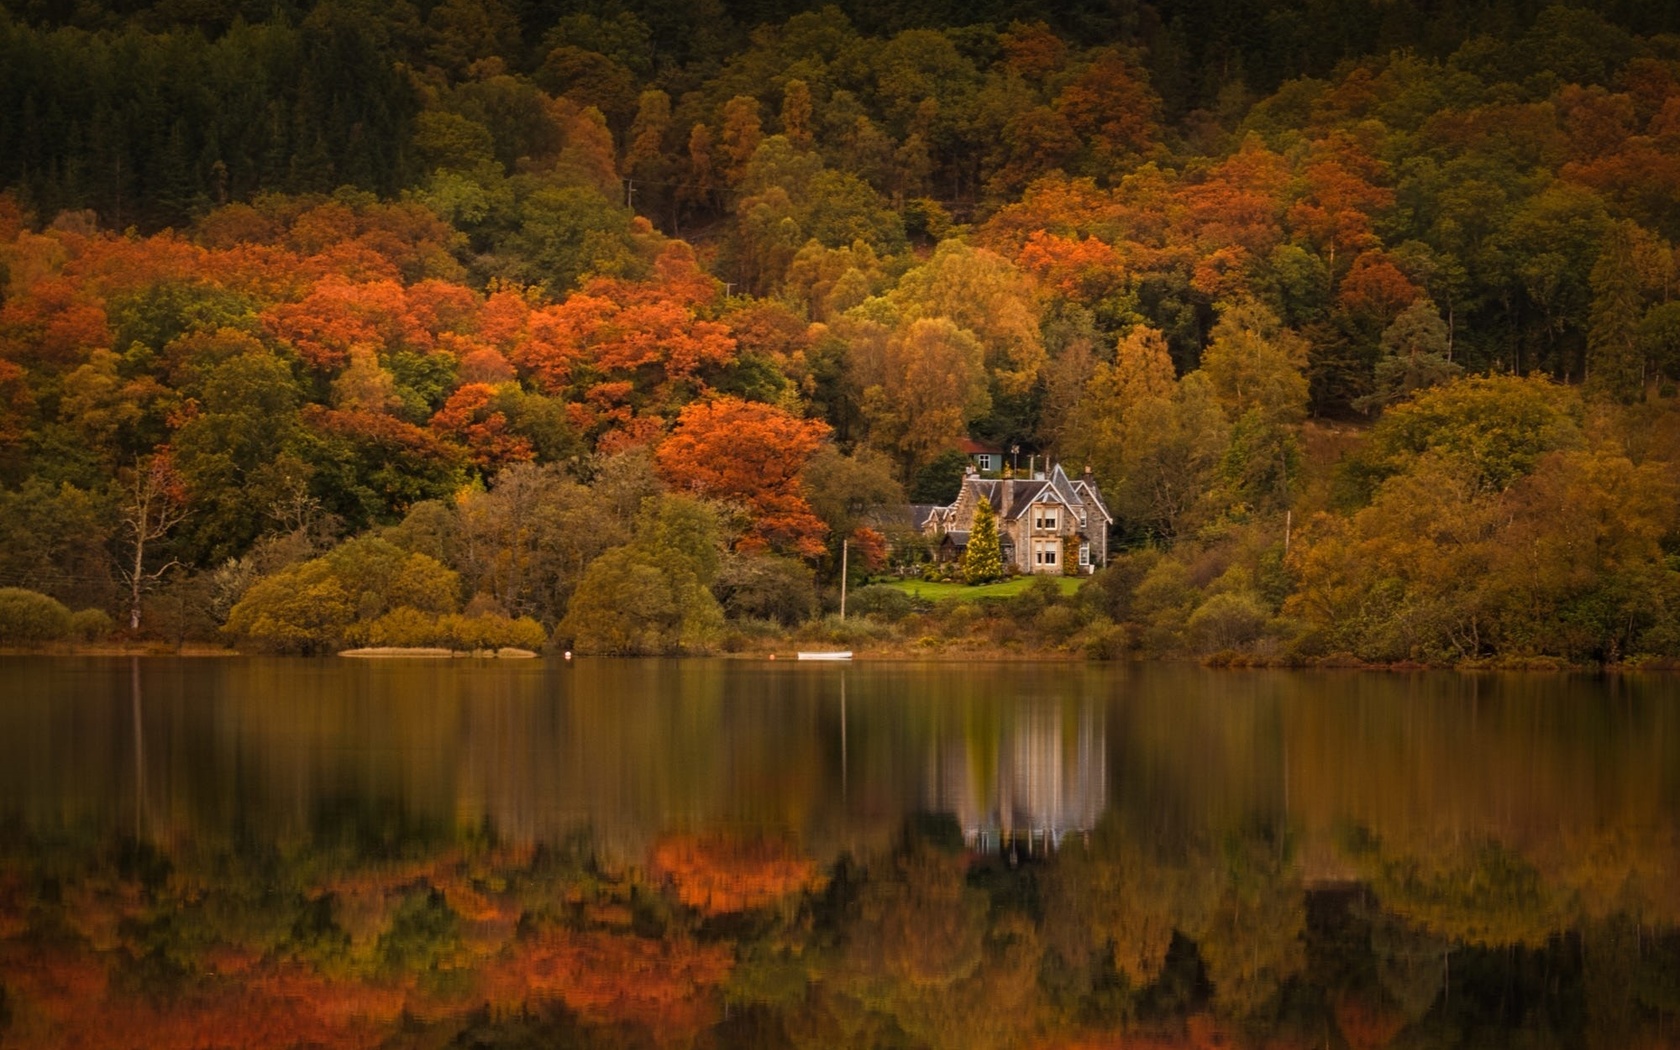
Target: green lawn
{"points": [[962, 592]]}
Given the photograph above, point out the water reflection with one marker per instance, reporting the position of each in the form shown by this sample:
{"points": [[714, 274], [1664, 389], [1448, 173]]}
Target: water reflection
{"points": [[1045, 777], [285, 853]]}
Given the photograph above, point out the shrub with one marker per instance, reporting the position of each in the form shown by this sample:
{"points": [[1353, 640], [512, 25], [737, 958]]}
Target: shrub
{"points": [[742, 634], [1110, 589], [850, 631], [1058, 623], [765, 587], [1040, 593], [491, 631], [1231, 620], [91, 625], [880, 601], [302, 609], [30, 618], [940, 572], [319, 605], [634, 601], [405, 628], [1107, 641], [961, 618]]}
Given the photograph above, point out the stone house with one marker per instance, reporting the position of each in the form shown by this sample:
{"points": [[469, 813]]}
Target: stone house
{"points": [[1043, 521]]}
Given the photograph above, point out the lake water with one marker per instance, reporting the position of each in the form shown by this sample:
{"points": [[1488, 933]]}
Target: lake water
{"points": [[332, 853]]}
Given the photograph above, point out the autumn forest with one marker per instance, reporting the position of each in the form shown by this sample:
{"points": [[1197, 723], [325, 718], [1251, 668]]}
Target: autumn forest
{"points": [[608, 324]]}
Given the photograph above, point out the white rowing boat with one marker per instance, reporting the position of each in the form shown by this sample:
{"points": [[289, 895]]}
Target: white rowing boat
{"points": [[847, 655]]}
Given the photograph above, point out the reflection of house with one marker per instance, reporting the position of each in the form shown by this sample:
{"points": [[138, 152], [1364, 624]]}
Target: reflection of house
{"points": [[1043, 522], [1039, 784]]}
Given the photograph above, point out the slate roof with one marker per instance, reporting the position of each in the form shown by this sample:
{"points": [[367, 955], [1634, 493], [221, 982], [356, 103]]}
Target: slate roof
{"points": [[1080, 497], [1022, 492]]}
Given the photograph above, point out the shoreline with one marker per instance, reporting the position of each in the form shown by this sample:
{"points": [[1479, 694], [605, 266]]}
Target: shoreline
{"points": [[885, 654]]}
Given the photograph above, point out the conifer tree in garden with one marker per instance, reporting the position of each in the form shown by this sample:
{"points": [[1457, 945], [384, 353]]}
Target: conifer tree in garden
{"points": [[982, 561]]}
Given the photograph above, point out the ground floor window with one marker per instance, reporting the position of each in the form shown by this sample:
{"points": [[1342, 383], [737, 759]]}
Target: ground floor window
{"points": [[1045, 553], [1084, 555]]}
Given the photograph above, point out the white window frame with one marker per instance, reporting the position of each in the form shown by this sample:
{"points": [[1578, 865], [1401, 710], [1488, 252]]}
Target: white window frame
{"points": [[1084, 555], [1046, 553], [984, 460], [1047, 518]]}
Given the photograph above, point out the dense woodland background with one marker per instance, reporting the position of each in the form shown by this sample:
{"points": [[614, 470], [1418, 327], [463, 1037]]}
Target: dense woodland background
{"points": [[485, 322]]}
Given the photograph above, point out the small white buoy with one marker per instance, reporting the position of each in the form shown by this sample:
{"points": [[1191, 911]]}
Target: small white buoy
{"points": [[772, 656], [568, 654]]}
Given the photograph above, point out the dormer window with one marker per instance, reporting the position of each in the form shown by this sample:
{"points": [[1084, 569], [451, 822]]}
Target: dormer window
{"points": [[1047, 519]]}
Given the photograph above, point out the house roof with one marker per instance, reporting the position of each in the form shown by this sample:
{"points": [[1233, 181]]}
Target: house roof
{"points": [[1022, 493], [970, 447], [1063, 486], [922, 513], [1080, 497]]}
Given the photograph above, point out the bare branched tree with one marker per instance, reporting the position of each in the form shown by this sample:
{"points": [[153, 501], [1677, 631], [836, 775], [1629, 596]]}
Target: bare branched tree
{"points": [[155, 504]]}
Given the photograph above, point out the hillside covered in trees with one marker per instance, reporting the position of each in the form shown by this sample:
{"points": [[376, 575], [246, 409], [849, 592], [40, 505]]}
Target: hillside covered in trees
{"points": [[493, 322]]}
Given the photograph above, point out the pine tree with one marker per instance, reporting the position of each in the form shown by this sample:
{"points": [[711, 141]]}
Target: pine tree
{"points": [[983, 561]]}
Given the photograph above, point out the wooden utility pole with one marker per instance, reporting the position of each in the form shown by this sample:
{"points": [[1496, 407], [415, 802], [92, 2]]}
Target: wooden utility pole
{"points": [[845, 549]]}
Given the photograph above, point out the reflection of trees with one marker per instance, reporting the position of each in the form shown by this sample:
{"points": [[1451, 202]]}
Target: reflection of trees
{"points": [[1251, 939], [1478, 894], [926, 949], [1120, 897], [330, 943], [601, 865], [1120, 900], [666, 986], [1410, 963], [719, 874]]}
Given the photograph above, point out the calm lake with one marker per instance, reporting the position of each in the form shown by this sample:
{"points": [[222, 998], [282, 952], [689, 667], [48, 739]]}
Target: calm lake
{"points": [[335, 853]]}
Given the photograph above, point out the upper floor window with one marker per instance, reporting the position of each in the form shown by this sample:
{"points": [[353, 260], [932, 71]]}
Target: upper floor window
{"points": [[1047, 519], [983, 461]]}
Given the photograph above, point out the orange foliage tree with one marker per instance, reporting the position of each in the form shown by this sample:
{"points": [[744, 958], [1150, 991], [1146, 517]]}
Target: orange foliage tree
{"points": [[1376, 289], [338, 314], [624, 348], [749, 453], [471, 417], [1239, 202], [1111, 106]]}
